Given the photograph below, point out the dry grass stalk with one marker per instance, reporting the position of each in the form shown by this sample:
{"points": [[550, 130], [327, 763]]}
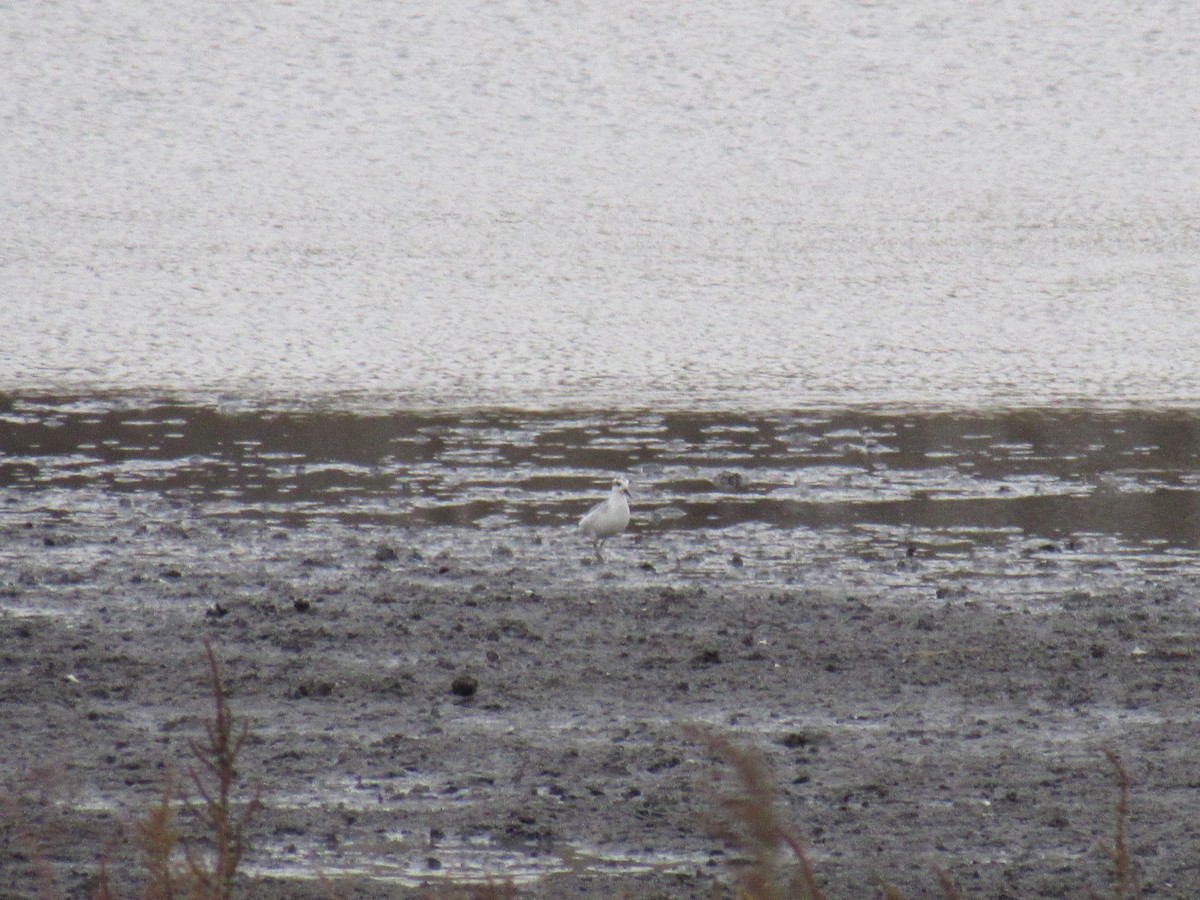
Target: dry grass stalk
{"points": [[949, 888], [751, 823], [212, 777], [32, 809], [1126, 884]]}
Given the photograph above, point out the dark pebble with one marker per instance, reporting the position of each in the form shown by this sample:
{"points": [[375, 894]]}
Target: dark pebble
{"points": [[384, 553], [313, 689], [464, 686], [731, 481]]}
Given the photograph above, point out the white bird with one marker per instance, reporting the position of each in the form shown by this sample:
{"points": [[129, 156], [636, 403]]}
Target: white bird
{"points": [[608, 518]]}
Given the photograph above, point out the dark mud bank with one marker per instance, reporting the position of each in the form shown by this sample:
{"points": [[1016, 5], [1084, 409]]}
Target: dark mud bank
{"points": [[960, 721]]}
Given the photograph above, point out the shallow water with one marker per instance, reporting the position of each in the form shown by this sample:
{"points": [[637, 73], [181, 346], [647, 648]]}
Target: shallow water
{"points": [[1032, 495]]}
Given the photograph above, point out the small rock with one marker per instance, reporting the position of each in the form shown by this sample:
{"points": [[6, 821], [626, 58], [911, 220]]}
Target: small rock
{"points": [[385, 553], [794, 739], [433, 863], [313, 689], [503, 551], [216, 611], [708, 657], [170, 573], [301, 605], [464, 686], [736, 561], [731, 481]]}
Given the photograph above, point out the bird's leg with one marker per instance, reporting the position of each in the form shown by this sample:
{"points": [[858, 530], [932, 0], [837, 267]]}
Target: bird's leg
{"points": [[600, 550]]}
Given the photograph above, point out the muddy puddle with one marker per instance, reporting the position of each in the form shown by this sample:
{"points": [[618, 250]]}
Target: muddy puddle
{"points": [[936, 478], [1036, 498]]}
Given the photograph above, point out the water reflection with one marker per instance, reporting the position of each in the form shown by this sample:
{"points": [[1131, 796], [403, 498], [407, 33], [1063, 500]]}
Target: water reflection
{"points": [[1132, 473]]}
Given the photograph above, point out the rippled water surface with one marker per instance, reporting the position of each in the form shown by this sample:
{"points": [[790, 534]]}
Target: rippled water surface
{"points": [[750, 206]]}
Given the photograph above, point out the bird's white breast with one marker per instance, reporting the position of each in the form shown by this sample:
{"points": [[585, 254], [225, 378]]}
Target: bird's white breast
{"points": [[607, 518]]}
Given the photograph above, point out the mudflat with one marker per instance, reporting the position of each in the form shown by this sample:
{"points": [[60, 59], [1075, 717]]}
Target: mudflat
{"points": [[499, 705]]}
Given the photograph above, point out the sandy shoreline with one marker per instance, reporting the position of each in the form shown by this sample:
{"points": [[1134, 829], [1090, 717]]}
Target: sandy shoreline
{"points": [[964, 729]]}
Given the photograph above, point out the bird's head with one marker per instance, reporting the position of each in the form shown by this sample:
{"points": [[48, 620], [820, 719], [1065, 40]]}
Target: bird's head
{"points": [[621, 486]]}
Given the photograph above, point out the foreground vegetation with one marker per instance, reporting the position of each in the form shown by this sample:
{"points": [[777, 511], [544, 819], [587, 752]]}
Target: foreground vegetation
{"points": [[191, 841]]}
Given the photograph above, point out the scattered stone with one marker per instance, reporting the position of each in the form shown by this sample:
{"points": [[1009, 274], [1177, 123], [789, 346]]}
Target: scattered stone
{"points": [[216, 611], [464, 686], [503, 551], [795, 739], [731, 481], [301, 605], [386, 553], [707, 657], [1057, 818], [313, 689], [736, 560], [170, 573]]}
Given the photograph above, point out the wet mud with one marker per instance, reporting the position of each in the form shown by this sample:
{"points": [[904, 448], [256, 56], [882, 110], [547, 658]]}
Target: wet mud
{"points": [[434, 700]]}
